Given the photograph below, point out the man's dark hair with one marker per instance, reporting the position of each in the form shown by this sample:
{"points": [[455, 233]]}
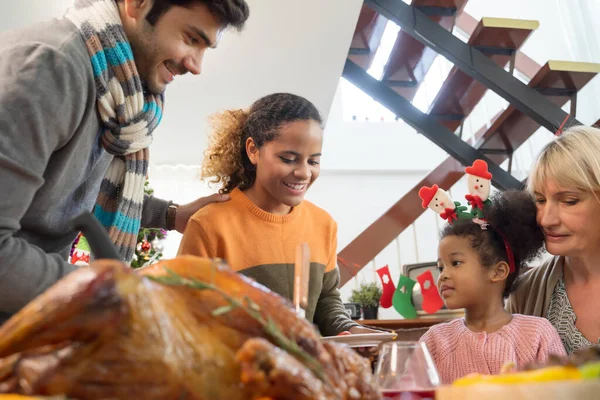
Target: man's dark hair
{"points": [[229, 12]]}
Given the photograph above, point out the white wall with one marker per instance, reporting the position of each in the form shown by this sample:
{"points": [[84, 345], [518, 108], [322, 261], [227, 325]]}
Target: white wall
{"points": [[16, 14]]}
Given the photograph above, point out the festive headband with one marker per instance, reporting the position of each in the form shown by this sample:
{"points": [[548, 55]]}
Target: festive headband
{"points": [[479, 184]]}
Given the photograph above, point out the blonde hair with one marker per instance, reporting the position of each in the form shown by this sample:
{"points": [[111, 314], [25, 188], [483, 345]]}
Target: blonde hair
{"points": [[226, 160], [572, 160]]}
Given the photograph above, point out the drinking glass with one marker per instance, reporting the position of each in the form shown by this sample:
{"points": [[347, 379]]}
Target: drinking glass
{"points": [[405, 371]]}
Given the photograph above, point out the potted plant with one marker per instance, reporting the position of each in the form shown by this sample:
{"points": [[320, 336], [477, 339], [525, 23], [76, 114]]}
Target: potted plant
{"points": [[367, 295]]}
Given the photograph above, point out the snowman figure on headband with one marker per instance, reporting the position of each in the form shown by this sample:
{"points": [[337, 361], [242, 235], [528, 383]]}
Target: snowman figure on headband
{"points": [[439, 201], [479, 184]]}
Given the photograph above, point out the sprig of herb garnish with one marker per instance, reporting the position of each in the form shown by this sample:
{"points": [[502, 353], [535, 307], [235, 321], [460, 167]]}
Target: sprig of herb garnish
{"points": [[253, 310]]}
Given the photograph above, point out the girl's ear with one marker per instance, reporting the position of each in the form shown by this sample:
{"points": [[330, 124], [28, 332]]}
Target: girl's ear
{"points": [[500, 271], [252, 151]]}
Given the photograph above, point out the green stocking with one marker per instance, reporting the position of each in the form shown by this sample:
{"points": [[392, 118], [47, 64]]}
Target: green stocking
{"points": [[402, 299]]}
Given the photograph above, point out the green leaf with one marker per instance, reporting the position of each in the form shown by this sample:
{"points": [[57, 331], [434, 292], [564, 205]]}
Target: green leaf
{"points": [[367, 295], [252, 304], [222, 310]]}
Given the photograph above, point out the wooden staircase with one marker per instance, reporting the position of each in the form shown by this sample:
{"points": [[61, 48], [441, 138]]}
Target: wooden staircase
{"points": [[410, 60], [500, 40], [560, 81]]}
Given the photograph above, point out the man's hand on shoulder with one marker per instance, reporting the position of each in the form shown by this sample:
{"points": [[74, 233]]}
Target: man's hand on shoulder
{"points": [[185, 211]]}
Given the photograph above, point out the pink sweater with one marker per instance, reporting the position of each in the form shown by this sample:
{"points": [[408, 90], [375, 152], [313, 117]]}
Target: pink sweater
{"points": [[457, 351]]}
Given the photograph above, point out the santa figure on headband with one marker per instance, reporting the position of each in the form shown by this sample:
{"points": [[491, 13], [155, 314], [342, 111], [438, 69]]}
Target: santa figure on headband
{"points": [[439, 201], [479, 184]]}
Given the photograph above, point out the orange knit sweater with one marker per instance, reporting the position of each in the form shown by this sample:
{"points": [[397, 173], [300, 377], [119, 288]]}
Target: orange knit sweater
{"points": [[263, 246]]}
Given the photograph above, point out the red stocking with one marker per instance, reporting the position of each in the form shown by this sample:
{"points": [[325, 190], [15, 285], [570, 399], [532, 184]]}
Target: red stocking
{"points": [[432, 301], [388, 287]]}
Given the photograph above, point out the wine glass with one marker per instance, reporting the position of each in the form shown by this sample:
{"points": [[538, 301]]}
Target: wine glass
{"points": [[405, 371]]}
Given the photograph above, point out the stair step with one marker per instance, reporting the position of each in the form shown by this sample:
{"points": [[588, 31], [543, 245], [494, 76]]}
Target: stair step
{"points": [[460, 93], [410, 60], [367, 37], [558, 79]]}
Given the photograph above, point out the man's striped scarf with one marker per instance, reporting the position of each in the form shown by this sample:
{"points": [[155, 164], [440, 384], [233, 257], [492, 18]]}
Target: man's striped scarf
{"points": [[129, 117]]}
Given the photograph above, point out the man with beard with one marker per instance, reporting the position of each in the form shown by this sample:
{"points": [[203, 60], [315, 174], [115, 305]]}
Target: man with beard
{"points": [[79, 99]]}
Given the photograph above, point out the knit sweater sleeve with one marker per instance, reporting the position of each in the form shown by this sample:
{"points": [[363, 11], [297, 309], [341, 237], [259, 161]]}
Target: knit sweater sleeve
{"points": [[426, 338], [429, 338], [330, 315], [550, 343], [154, 212], [196, 242], [42, 103]]}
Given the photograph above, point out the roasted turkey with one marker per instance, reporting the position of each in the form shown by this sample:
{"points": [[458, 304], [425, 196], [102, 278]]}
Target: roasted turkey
{"points": [[187, 328]]}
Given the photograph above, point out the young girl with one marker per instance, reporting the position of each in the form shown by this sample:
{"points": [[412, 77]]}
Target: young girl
{"points": [[479, 262], [266, 158]]}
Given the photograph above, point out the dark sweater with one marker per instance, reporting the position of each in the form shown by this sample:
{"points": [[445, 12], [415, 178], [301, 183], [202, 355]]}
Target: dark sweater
{"points": [[51, 163]]}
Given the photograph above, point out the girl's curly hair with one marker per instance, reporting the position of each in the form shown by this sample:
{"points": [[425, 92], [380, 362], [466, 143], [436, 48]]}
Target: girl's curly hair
{"points": [[226, 161], [511, 215]]}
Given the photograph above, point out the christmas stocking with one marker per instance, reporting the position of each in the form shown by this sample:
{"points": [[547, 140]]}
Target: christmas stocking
{"points": [[432, 301], [402, 299], [388, 287]]}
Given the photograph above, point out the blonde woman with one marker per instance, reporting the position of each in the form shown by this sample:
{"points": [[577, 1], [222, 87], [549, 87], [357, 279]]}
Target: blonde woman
{"points": [[565, 182]]}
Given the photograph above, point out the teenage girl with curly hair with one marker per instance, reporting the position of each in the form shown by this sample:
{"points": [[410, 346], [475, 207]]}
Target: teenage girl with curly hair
{"points": [[266, 158]]}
